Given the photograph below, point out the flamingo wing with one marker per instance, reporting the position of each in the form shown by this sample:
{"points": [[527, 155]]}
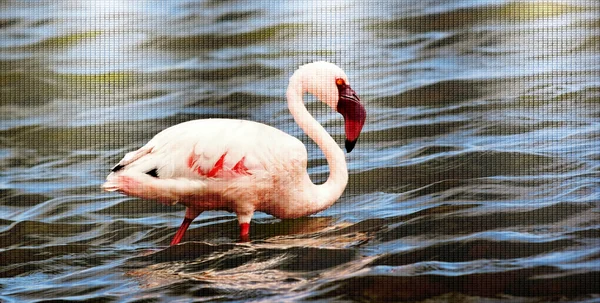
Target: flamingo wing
{"points": [[216, 148]]}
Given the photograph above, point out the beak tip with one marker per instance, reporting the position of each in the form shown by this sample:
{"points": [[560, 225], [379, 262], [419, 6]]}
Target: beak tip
{"points": [[350, 145]]}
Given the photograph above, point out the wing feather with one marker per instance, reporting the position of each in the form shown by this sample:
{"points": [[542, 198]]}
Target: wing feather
{"points": [[213, 148]]}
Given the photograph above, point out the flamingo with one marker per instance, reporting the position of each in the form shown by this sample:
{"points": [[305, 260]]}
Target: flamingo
{"points": [[243, 166]]}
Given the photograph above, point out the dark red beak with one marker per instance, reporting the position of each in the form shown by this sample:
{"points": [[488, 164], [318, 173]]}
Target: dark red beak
{"points": [[354, 114]]}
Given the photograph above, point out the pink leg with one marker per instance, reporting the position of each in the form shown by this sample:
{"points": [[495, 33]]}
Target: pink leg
{"points": [[244, 232], [244, 218], [181, 231], [190, 215]]}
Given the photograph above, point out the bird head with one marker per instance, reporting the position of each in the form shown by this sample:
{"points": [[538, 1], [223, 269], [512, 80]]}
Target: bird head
{"points": [[330, 84]]}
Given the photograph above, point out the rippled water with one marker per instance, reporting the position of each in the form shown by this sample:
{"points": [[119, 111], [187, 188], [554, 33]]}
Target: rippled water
{"points": [[477, 176]]}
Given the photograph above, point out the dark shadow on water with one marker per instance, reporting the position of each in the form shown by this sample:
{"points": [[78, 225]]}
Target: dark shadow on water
{"points": [[209, 41], [460, 18], [463, 224], [465, 251], [33, 233], [452, 170], [544, 282], [442, 93]]}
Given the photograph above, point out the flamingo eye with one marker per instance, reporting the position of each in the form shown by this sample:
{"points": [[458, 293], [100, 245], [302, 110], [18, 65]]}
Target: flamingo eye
{"points": [[340, 81]]}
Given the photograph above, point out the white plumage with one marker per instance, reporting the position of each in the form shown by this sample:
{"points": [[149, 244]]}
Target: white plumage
{"points": [[243, 166]]}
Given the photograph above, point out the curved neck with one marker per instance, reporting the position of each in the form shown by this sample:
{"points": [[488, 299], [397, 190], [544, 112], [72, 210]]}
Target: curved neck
{"points": [[324, 195]]}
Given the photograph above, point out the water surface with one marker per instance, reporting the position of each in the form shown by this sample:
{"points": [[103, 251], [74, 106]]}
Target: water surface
{"points": [[476, 177]]}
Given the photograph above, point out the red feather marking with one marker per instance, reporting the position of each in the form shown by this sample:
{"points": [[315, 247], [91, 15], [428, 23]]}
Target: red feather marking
{"points": [[191, 160], [240, 168], [218, 166]]}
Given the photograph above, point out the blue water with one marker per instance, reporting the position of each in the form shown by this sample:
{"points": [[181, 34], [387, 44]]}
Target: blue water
{"points": [[476, 177]]}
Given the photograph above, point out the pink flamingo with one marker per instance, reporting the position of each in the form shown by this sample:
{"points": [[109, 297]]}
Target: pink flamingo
{"points": [[243, 166]]}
